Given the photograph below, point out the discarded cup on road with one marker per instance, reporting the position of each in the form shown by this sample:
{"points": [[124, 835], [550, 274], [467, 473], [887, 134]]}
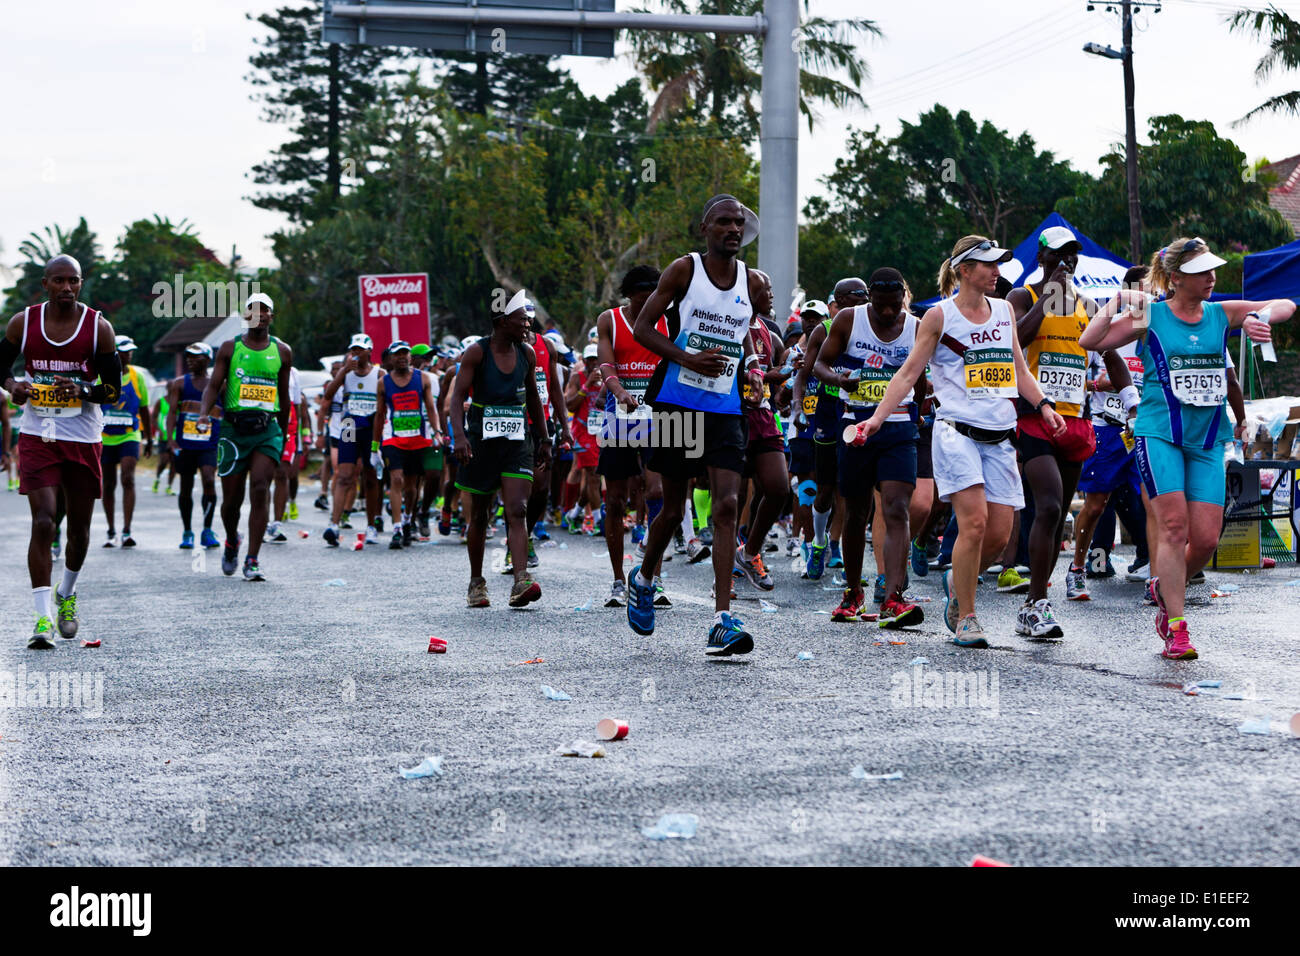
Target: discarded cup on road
{"points": [[553, 694], [1295, 725], [437, 645], [918, 661], [987, 861], [804, 656], [860, 773], [611, 729], [304, 534], [335, 583], [767, 606], [428, 767], [1259, 725], [581, 748], [672, 826], [93, 643]]}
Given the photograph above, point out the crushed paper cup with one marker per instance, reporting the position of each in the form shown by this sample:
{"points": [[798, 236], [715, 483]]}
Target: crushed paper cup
{"points": [[428, 767], [987, 861], [581, 748], [94, 643], [1295, 725], [611, 729], [437, 645], [303, 534]]}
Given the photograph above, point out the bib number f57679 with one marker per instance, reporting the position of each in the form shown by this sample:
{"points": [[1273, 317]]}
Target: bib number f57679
{"points": [[1199, 380]]}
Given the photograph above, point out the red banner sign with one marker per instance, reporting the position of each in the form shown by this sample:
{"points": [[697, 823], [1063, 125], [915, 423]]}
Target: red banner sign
{"points": [[395, 307]]}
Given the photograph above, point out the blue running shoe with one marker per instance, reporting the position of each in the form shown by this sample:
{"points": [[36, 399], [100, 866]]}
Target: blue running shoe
{"points": [[836, 561], [920, 563], [729, 637], [878, 592], [187, 540], [209, 539], [540, 532], [230, 559], [816, 566], [950, 610], [638, 533], [640, 604]]}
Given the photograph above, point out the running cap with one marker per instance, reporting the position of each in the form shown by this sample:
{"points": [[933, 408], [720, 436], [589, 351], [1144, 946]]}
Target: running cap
{"points": [[399, 346], [1204, 262], [752, 224], [420, 349], [520, 300], [125, 343], [985, 251], [199, 348], [255, 299], [591, 351], [816, 307], [1057, 238], [361, 341], [592, 334]]}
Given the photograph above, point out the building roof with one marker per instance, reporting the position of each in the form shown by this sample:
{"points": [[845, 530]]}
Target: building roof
{"points": [[1284, 196], [186, 331]]}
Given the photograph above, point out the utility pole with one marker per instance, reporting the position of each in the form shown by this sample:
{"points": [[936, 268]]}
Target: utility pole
{"points": [[1125, 55]]}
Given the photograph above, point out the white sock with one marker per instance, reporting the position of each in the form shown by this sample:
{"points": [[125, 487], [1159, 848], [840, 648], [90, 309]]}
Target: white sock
{"points": [[643, 581], [41, 599], [821, 520], [69, 584], [688, 520]]}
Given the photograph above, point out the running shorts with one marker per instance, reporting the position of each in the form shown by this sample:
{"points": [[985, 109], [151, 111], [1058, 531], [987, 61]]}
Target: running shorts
{"points": [[493, 460], [802, 459], [73, 466], [620, 462], [1112, 465], [409, 461], [1076, 444], [710, 440], [924, 462], [235, 451], [826, 462], [1198, 473], [888, 455], [113, 454], [961, 462], [189, 460], [433, 459], [351, 452], [761, 446]]}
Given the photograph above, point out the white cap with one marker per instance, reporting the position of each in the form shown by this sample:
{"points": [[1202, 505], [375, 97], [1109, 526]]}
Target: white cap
{"points": [[1057, 237], [1206, 261], [256, 298], [986, 251], [520, 300], [752, 225], [361, 341], [199, 348], [816, 307], [125, 343], [591, 351]]}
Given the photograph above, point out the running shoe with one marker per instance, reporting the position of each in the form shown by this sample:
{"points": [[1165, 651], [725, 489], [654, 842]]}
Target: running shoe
{"points": [[322, 503], [1197, 578], [850, 608], [478, 593], [444, 522], [372, 531], [66, 611], [291, 512], [617, 595], [229, 559], [346, 523], [696, 551], [1138, 572], [896, 613], [836, 561], [1177, 645], [638, 533], [408, 534], [816, 565], [508, 565], [525, 591], [920, 564], [424, 528], [640, 604], [155, 485], [791, 547], [589, 526], [187, 540], [1076, 585], [396, 543], [679, 542], [661, 596], [127, 540], [379, 526], [331, 536], [252, 571], [112, 540], [878, 590], [40, 639], [754, 569], [728, 637], [533, 560], [1098, 564], [1010, 582], [969, 633], [951, 614], [171, 490], [540, 532], [769, 547], [1037, 622], [274, 535], [706, 534]]}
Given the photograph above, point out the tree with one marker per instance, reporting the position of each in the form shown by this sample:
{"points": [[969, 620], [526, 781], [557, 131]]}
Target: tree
{"points": [[1282, 31], [39, 248], [1194, 183], [506, 83], [717, 76], [320, 90]]}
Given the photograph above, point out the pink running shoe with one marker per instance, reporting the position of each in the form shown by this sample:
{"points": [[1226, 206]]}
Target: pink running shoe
{"points": [[1177, 646], [1162, 616]]}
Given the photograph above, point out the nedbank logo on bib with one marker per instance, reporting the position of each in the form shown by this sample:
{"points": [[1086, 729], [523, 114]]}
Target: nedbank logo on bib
{"points": [[1195, 361], [1060, 358]]}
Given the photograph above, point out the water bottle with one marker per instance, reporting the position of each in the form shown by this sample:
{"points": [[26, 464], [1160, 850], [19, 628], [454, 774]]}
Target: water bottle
{"points": [[1266, 351]]}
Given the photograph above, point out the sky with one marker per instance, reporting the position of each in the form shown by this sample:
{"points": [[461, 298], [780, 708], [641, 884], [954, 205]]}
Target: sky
{"points": [[120, 111]]}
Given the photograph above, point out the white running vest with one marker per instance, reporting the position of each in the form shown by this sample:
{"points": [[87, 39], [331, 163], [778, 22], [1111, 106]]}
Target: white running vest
{"points": [[710, 317], [878, 361], [977, 385]]}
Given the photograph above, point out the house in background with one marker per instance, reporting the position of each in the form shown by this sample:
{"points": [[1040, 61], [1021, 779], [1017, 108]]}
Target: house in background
{"points": [[1284, 194], [214, 331]]}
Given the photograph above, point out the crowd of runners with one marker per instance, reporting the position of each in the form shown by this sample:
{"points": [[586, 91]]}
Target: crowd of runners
{"points": [[698, 423]]}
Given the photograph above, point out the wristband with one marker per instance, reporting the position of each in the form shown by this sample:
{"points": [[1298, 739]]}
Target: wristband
{"points": [[1130, 397], [1044, 401], [374, 446], [750, 362]]}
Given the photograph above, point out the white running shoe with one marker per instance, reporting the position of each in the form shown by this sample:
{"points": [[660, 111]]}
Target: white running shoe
{"points": [[1036, 621], [372, 535], [1141, 574]]}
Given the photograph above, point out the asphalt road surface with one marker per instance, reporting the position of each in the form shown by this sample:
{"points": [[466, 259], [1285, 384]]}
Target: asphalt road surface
{"points": [[264, 723]]}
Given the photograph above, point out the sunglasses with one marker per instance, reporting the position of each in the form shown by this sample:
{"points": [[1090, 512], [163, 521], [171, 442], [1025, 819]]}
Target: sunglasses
{"points": [[889, 285], [984, 246], [855, 293]]}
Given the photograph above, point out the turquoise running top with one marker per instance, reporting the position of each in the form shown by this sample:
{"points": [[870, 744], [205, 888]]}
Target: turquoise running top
{"points": [[1184, 378]]}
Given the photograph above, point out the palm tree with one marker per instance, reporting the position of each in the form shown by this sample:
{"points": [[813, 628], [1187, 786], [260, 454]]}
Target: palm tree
{"points": [[1282, 31], [39, 248], [718, 75]]}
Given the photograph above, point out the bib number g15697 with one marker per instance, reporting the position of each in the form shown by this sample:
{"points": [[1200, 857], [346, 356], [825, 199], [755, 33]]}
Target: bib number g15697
{"points": [[503, 421]]}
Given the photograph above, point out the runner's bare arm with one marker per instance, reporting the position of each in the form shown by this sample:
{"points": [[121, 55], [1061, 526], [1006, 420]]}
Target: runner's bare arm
{"points": [[927, 339], [469, 362], [1116, 370], [381, 415], [217, 380], [833, 347], [1237, 402], [282, 386], [1107, 330], [1030, 391], [556, 393], [173, 408], [9, 352], [605, 356], [1245, 316], [672, 286], [348, 364], [533, 398], [431, 406]]}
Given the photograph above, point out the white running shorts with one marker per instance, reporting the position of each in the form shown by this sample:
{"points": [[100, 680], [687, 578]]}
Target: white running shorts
{"points": [[961, 462]]}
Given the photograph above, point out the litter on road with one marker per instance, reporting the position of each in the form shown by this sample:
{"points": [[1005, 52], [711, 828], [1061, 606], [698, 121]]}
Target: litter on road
{"points": [[553, 694], [673, 826], [860, 773], [581, 748], [428, 767]]}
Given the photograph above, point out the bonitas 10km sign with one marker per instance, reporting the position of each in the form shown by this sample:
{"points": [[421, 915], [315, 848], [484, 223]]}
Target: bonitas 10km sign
{"points": [[395, 307]]}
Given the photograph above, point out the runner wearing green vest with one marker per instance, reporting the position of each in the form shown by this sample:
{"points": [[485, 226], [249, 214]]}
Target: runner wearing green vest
{"points": [[124, 423], [161, 411], [252, 372]]}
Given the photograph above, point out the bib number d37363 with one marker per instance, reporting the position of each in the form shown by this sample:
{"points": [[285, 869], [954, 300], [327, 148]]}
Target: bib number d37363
{"points": [[731, 351], [1199, 380], [503, 421], [990, 373], [1062, 377]]}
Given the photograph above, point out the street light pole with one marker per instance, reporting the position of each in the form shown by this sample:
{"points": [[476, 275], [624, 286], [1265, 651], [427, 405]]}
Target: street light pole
{"points": [[1130, 142]]}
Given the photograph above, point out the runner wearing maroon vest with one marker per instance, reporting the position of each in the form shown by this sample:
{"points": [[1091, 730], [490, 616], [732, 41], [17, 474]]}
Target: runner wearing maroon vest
{"points": [[406, 416], [627, 366], [65, 346], [551, 393]]}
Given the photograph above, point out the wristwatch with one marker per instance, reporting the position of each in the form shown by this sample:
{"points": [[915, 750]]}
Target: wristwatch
{"points": [[1045, 401]]}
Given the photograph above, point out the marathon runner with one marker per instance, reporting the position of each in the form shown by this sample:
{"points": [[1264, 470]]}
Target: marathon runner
{"points": [[284, 495], [358, 379], [65, 346], [582, 397], [406, 416], [161, 411], [1182, 420], [124, 421], [252, 373], [866, 347], [969, 341], [434, 455], [551, 392], [713, 295], [491, 445], [627, 366], [804, 405], [194, 449]]}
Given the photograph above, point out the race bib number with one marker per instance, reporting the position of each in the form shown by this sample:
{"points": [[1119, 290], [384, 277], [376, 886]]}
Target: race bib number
{"points": [[748, 392], [192, 431], [1199, 380], [503, 421], [810, 405], [362, 404], [635, 387], [257, 394], [731, 351], [1063, 377], [870, 388], [595, 420], [990, 373], [1113, 407], [118, 418], [542, 391], [46, 405], [408, 425]]}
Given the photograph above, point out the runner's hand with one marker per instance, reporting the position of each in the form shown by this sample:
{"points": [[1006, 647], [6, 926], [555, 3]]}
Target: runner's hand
{"points": [[22, 391], [1101, 383], [65, 389], [462, 451], [1239, 431], [755, 378], [1257, 330], [710, 362], [869, 427], [1055, 423], [625, 398], [173, 447]]}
